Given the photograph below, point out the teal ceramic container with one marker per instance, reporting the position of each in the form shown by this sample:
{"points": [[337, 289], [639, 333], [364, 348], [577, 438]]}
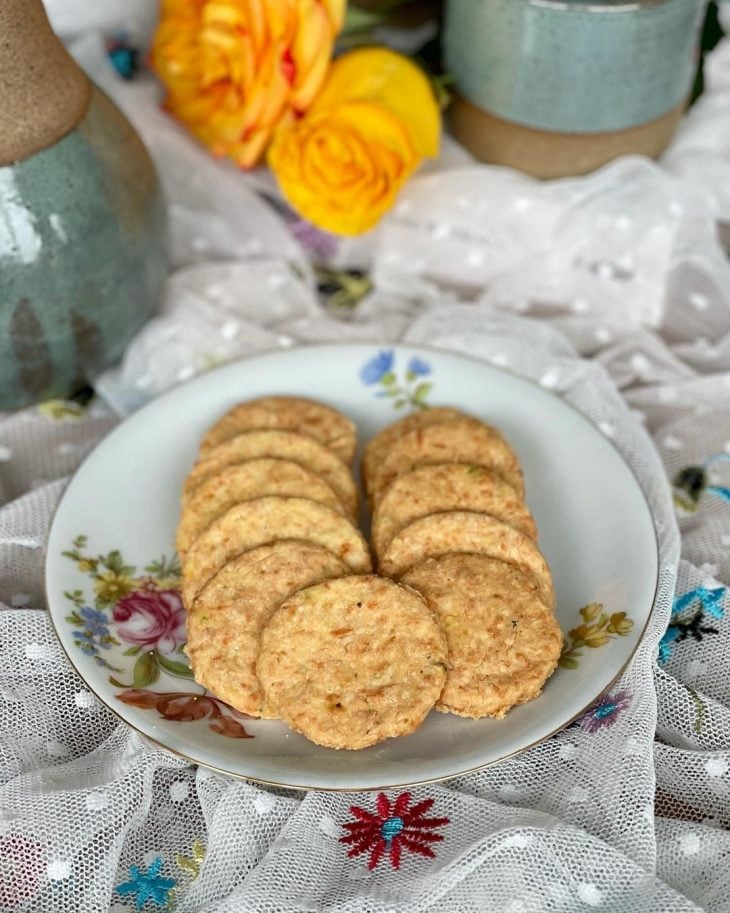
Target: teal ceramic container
{"points": [[82, 240], [574, 66]]}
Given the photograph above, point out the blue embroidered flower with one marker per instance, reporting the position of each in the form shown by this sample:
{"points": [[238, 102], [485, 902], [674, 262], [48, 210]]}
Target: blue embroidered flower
{"points": [[124, 58], [706, 602], [665, 644], [96, 622], [375, 369], [418, 367], [147, 885], [710, 600], [605, 711]]}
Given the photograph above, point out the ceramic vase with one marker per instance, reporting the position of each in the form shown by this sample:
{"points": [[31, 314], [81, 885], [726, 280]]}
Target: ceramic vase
{"points": [[560, 87], [82, 218]]}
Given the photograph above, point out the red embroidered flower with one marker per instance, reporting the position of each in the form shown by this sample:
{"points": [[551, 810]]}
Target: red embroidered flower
{"points": [[151, 619], [394, 828]]}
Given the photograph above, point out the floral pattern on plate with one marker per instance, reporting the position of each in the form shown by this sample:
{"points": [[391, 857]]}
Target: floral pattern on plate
{"points": [[408, 390], [144, 613], [597, 630]]}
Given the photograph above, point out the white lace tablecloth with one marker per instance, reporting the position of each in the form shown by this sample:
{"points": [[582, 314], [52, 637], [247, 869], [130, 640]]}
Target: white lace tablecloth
{"points": [[612, 290]]}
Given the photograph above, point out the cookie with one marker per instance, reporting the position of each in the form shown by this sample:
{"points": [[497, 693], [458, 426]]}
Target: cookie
{"points": [[291, 413], [442, 487], [227, 616], [503, 641], [465, 531], [283, 445], [462, 440], [378, 446], [353, 661], [242, 482], [264, 520]]}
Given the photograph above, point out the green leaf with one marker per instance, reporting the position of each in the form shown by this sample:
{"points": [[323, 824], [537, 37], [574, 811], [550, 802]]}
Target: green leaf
{"points": [[114, 562], [81, 541], [132, 651], [117, 683], [182, 670], [387, 380], [568, 662], [411, 375], [74, 619], [164, 568], [421, 392], [146, 670], [398, 404]]}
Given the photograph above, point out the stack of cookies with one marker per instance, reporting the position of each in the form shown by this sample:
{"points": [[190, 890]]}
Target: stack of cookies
{"points": [[449, 520], [285, 618], [268, 509]]}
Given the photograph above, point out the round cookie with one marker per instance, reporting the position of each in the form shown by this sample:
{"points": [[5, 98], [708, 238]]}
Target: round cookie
{"points": [[263, 520], [464, 531], [503, 642], [447, 486], [353, 661], [283, 445], [292, 413], [378, 446], [226, 618], [463, 440], [243, 481]]}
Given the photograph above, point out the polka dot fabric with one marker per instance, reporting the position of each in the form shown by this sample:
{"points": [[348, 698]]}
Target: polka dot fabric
{"points": [[610, 290]]}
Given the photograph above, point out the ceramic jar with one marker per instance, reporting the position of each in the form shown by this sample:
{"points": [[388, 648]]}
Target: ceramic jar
{"points": [[82, 219], [556, 87]]}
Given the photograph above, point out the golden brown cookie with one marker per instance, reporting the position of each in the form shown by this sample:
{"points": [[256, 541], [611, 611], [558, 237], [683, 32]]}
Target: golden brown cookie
{"points": [[462, 440], [226, 618], [264, 520], [242, 482], [378, 446], [465, 531], [291, 413], [447, 486], [283, 445], [503, 642], [353, 661]]}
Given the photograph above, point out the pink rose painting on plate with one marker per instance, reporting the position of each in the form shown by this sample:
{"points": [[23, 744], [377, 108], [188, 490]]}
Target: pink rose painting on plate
{"points": [[151, 618], [145, 613]]}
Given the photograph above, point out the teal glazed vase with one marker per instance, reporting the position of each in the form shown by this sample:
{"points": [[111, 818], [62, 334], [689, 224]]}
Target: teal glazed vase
{"points": [[559, 87], [82, 218]]}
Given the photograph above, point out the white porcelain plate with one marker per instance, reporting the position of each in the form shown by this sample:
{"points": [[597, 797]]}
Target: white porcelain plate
{"points": [[112, 572]]}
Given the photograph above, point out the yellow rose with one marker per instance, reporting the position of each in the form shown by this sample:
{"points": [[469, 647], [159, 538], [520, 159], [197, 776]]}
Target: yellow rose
{"points": [[342, 164], [234, 69]]}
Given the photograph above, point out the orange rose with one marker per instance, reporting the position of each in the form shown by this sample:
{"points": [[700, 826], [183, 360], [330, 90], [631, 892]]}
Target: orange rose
{"points": [[342, 164], [234, 69]]}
